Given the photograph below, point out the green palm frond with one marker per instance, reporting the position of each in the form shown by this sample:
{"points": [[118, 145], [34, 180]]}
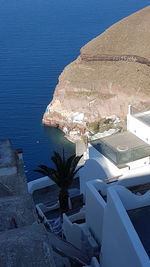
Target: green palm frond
{"points": [[43, 169], [65, 169], [74, 165], [58, 161], [68, 165], [62, 174], [75, 172]]}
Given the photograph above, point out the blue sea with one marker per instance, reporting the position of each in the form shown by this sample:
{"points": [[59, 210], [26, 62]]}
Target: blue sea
{"points": [[38, 39]]}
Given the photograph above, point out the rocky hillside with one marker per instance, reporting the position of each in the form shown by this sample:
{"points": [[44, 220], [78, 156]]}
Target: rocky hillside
{"points": [[112, 71]]}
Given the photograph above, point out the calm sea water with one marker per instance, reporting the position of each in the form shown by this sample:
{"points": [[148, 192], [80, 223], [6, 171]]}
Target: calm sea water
{"points": [[38, 39]]}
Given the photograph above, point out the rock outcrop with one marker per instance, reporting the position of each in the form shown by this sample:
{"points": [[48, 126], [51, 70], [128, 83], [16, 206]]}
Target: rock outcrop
{"points": [[23, 240], [112, 71]]}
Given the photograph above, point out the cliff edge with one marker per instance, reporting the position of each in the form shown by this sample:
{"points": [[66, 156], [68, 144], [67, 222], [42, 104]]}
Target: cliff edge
{"points": [[112, 71]]}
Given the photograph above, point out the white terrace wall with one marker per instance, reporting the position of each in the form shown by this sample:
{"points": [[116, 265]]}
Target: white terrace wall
{"points": [[92, 170], [130, 200], [73, 231], [39, 183], [108, 168], [128, 182], [78, 234], [138, 127], [121, 245], [95, 206], [96, 167]]}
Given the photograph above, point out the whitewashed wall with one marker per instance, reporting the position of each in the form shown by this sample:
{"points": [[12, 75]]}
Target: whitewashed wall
{"points": [[139, 128], [108, 167], [92, 170], [73, 231], [78, 234], [121, 245], [39, 183], [128, 182], [139, 163], [97, 167], [130, 200], [95, 206]]}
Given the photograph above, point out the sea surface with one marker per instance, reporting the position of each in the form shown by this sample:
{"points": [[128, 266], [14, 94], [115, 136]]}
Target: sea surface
{"points": [[38, 38]]}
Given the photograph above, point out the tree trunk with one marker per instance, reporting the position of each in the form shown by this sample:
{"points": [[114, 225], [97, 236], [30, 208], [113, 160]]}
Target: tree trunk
{"points": [[63, 201]]}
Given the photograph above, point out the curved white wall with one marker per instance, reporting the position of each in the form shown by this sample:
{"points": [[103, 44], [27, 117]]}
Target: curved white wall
{"points": [[121, 245], [39, 183], [95, 206]]}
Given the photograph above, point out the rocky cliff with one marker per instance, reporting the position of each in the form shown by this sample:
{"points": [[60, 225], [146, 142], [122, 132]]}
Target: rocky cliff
{"points": [[112, 71]]}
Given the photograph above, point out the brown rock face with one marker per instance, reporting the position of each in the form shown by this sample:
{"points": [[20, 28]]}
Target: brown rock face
{"points": [[112, 71]]}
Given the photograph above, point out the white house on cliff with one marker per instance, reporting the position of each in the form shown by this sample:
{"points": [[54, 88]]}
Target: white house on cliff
{"points": [[113, 226], [121, 156]]}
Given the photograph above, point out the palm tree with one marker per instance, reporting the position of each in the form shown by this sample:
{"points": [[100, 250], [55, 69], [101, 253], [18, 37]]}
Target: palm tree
{"points": [[63, 174]]}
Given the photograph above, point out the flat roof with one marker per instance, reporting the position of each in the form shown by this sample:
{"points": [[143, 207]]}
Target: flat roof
{"points": [[123, 140], [122, 148], [140, 219]]}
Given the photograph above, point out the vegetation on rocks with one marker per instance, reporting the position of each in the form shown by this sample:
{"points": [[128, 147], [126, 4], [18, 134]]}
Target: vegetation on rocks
{"points": [[111, 72], [105, 124], [101, 125]]}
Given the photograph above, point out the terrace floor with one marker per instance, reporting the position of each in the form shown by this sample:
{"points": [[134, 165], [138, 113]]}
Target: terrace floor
{"points": [[49, 194]]}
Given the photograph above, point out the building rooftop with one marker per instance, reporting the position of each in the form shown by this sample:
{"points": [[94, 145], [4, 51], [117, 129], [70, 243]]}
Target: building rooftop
{"points": [[140, 218], [122, 148]]}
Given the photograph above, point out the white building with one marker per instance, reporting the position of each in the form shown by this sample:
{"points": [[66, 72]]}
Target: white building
{"points": [[121, 156], [114, 223], [113, 226]]}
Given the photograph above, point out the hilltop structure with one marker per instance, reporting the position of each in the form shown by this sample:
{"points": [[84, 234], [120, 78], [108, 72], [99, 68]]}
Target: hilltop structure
{"points": [[113, 226], [123, 156]]}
